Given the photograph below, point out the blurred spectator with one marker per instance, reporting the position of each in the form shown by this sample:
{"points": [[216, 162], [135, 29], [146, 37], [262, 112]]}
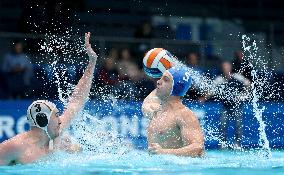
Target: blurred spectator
{"points": [[192, 61], [241, 65], [107, 78], [231, 91], [108, 74], [18, 71], [125, 60], [194, 93], [129, 75], [113, 53]]}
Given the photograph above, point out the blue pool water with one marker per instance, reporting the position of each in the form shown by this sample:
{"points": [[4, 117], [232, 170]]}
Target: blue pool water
{"points": [[140, 162]]}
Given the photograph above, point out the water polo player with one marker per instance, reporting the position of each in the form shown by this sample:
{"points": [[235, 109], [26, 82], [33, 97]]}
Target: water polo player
{"points": [[173, 128], [46, 125]]}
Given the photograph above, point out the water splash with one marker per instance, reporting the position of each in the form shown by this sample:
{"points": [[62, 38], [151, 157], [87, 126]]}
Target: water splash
{"points": [[66, 48], [207, 86], [58, 52], [260, 81], [257, 86], [94, 136], [63, 48], [61, 79]]}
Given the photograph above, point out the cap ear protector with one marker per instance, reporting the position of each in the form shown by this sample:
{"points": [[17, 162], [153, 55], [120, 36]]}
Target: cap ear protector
{"points": [[39, 113], [181, 80], [41, 119]]}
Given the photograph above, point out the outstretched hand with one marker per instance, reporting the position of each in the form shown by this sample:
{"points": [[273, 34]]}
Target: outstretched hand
{"points": [[92, 55]]}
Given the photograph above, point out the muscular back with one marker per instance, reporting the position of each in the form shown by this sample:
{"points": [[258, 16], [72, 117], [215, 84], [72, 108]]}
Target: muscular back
{"points": [[20, 150]]}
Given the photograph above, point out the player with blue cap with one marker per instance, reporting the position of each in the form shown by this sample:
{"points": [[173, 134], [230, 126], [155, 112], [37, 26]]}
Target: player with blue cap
{"points": [[173, 127], [181, 80], [175, 82]]}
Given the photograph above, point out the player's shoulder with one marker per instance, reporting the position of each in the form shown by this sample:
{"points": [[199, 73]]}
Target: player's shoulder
{"points": [[186, 111], [187, 114]]}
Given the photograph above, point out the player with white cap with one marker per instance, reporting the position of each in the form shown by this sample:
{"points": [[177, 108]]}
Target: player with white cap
{"points": [[46, 125]]}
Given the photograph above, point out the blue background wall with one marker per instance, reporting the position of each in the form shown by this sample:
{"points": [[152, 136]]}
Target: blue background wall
{"points": [[125, 118]]}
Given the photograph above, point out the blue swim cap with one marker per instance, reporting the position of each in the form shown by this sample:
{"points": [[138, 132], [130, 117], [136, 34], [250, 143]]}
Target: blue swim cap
{"points": [[181, 80]]}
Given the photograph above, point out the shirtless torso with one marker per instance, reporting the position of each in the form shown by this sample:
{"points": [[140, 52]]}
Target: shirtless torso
{"points": [[164, 129], [173, 129], [26, 147]]}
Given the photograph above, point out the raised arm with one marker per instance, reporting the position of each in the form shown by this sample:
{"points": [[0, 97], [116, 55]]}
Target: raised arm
{"points": [[150, 105], [81, 92]]}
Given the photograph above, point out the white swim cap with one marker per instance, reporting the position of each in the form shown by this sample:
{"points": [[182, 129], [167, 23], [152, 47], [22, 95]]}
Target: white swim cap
{"points": [[39, 113]]}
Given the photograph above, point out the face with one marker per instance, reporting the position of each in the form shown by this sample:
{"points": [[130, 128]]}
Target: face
{"points": [[226, 67], [113, 53], [18, 47], [109, 64], [125, 54], [54, 124], [164, 86], [192, 59]]}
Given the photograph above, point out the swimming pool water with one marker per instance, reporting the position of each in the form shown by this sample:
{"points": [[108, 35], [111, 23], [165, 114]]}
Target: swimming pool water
{"points": [[140, 162]]}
